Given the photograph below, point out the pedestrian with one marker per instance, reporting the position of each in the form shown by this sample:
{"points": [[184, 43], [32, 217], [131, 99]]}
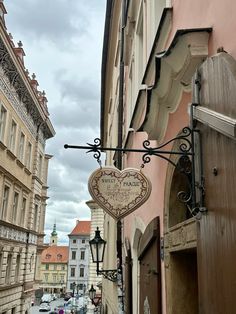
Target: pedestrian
{"points": [[61, 311]]}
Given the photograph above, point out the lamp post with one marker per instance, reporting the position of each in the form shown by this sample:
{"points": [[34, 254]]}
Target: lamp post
{"points": [[94, 298], [97, 247], [73, 289]]}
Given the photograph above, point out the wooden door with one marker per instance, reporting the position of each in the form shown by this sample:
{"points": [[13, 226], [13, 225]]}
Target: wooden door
{"points": [[150, 269]]}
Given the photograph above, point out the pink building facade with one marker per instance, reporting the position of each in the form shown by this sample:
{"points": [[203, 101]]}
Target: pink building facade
{"points": [[173, 54]]}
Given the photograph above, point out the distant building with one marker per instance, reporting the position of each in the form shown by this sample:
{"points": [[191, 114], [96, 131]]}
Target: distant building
{"points": [[79, 257], [54, 266], [24, 129]]}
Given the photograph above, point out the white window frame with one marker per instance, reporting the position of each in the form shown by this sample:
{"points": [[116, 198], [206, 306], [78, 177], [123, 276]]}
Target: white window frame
{"points": [[21, 150], [23, 210], [28, 158], [3, 121], [81, 270], [5, 201], [15, 205], [12, 136]]}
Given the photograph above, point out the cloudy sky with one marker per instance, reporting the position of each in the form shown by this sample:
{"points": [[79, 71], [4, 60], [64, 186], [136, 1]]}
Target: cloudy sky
{"points": [[62, 40]]}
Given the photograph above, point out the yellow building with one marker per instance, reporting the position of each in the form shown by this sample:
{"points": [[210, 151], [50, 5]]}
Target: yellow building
{"points": [[54, 266], [24, 129]]}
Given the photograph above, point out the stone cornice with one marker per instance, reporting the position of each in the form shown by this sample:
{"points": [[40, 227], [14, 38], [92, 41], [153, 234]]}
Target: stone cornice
{"points": [[19, 81]]}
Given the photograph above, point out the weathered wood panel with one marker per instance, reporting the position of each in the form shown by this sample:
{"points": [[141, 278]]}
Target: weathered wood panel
{"points": [[217, 229]]}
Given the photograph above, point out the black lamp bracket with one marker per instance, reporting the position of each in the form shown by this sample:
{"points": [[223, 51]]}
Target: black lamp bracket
{"points": [[110, 274]]}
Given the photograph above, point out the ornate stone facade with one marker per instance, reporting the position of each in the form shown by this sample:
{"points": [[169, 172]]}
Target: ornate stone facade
{"points": [[24, 129]]}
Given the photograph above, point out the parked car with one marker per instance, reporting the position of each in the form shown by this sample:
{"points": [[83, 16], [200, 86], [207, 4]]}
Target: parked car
{"points": [[44, 307], [46, 298]]}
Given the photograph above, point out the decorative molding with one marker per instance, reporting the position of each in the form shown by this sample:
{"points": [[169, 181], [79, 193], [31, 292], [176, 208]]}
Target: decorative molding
{"points": [[216, 121], [14, 88], [9, 233], [174, 70]]}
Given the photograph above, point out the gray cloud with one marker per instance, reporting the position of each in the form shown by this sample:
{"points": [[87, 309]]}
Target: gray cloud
{"points": [[57, 22]]}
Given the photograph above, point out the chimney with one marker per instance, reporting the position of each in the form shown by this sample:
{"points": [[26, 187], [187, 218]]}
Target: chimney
{"points": [[77, 221]]}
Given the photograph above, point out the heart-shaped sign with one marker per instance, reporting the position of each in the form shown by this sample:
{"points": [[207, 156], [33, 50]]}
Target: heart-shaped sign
{"points": [[119, 192]]}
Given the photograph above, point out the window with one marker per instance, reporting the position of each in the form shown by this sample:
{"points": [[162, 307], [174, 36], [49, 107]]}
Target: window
{"points": [[83, 241], [54, 278], [72, 272], [21, 147], [81, 272], [47, 266], [73, 241], [15, 207], [8, 268], [3, 117], [59, 257], [12, 136], [5, 201], [62, 278], [55, 267], [73, 255], [62, 267], [72, 286], [17, 270], [36, 209], [40, 166], [28, 155], [23, 209], [46, 277], [82, 255]]}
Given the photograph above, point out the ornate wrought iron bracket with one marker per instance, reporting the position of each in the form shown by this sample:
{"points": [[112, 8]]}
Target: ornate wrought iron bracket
{"points": [[110, 274], [185, 148], [185, 164]]}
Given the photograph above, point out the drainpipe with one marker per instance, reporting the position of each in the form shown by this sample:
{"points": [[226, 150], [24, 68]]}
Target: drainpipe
{"points": [[119, 156]]}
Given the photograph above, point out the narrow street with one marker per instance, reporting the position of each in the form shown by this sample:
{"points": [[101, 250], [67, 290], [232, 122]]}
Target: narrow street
{"points": [[35, 309]]}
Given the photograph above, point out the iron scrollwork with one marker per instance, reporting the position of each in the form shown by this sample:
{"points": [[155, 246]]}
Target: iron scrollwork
{"points": [[185, 164], [109, 274]]}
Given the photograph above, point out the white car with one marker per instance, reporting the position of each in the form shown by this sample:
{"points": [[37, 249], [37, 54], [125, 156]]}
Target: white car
{"points": [[44, 307], [46, 298]]}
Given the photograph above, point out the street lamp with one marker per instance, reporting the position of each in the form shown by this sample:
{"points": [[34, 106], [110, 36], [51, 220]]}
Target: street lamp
{"points": [[97, 247], [92, 294], [73, 287]]}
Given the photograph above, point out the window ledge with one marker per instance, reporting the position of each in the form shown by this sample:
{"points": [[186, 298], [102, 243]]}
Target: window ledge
{"points": [[27, 171], [19, 163], [2, 145], [11, 154]]}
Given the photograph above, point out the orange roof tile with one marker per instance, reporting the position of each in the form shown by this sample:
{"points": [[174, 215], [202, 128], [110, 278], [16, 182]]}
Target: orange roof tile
{"points": [[81, 228], [55, 254]]}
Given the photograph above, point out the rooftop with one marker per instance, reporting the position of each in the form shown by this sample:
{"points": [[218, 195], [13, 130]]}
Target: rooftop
{"points": [[81, 228], [55, 254]]}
